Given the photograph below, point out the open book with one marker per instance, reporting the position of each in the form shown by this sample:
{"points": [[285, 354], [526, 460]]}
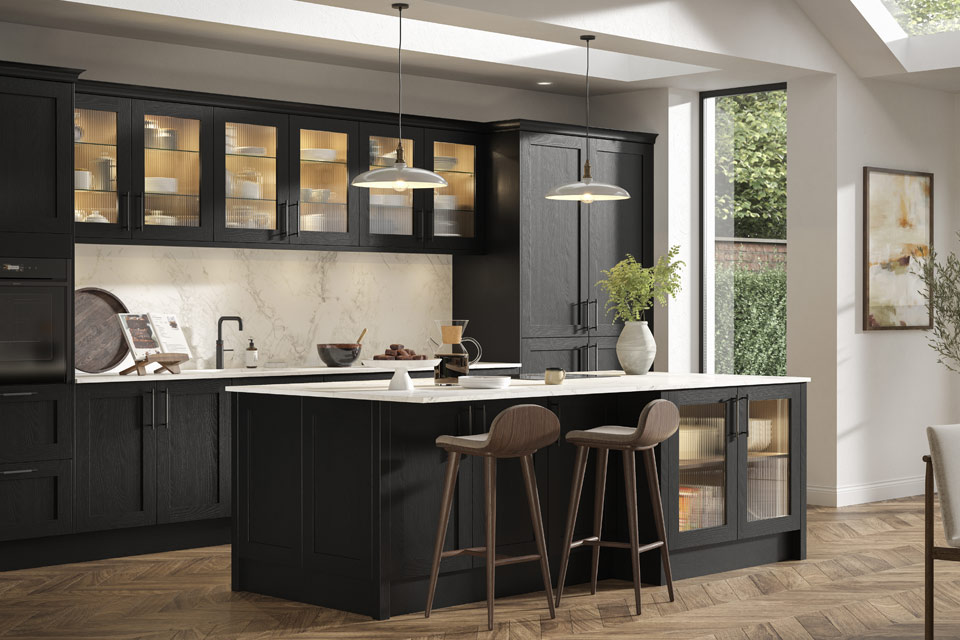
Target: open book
{"points": [[148, 333]]}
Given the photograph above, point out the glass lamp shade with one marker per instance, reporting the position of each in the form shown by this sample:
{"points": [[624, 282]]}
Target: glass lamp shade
{"points": [[588, 191], [399, 177]]}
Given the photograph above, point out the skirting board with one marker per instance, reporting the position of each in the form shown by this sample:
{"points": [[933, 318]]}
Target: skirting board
{"points": [[862, 493]]}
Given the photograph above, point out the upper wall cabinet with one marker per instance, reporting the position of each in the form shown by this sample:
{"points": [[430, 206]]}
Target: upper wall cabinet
{"points": [[35, 166], [142, 170]]}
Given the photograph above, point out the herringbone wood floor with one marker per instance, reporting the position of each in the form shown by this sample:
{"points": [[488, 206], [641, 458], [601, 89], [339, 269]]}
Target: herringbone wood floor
{"points": [[863, 579]]}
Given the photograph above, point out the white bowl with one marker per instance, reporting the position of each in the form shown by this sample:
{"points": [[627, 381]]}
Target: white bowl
{"points": [[319, 155], [160, 185]]}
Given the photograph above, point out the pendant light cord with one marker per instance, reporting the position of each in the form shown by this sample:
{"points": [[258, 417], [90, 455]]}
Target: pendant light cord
{"points": [[400, 77], [587, 96]]}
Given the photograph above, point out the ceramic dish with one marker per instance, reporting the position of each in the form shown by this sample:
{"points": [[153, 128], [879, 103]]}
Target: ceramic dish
{"points": [[444, 163], [484, 382], [319, 155], [160, 185], [251, 151], [444, 202]]}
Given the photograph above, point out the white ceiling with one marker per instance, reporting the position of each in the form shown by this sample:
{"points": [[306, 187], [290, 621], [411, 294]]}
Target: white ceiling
{"points": [[518, 43]]}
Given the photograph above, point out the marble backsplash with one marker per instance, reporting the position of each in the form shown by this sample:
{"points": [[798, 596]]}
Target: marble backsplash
{"points": [[289, 300]]}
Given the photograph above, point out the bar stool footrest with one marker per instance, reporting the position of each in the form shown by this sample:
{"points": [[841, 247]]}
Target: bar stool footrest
{"points": [[481, 552], [593, 541]]}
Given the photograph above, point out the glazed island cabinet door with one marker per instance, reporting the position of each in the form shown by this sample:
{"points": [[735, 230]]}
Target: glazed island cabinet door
{"points": [[701, 476], [452, 214], [618, 227], [251, 176], [394, 217], [193, 451], [35, 166], [552, 251], [102, 192], [324, 208], [172, 171], [116, 455]]}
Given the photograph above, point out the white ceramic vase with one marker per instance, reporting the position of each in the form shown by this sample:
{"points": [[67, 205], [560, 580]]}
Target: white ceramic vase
{"points": [[636, 348]]}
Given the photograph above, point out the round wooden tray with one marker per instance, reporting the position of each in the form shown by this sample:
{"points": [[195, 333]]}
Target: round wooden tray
{"points": [[100, 345]]}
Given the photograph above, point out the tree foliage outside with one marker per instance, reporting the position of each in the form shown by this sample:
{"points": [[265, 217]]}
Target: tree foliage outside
{"points": [[751, 144], [923, 17], [632, 288], [751, 334]]}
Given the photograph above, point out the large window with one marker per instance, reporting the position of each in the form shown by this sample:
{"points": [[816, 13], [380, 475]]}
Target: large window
{"points": [[744, 205]]}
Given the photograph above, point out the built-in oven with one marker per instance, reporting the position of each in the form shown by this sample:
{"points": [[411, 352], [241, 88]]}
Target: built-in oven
{"points": [[34, 330]]}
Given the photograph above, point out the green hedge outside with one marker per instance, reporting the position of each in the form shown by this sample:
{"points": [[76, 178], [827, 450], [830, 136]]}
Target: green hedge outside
{"points": [[751, 337]]}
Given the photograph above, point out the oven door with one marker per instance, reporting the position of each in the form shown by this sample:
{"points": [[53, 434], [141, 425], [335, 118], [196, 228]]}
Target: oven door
{"points": [[33, 332]]}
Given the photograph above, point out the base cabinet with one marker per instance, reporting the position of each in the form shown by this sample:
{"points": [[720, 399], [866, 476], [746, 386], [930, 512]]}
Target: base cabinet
{"points": [[36, 499], [151, 453]]}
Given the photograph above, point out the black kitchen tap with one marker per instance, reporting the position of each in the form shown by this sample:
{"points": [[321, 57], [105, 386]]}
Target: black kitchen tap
{"points": [[220, 348]]}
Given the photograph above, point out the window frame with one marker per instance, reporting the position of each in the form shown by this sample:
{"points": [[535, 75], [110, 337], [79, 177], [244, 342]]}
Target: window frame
{"points": [[706, 95]]}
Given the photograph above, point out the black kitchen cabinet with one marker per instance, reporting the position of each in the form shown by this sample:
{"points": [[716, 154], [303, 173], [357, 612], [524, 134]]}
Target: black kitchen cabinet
{"points": [[150, 453], [735, 467], [546, 256], [252, 176], [193, 450], [36, 423], [144, 170], [36, 499], [36, 174], [452, 215], [116, 456]]}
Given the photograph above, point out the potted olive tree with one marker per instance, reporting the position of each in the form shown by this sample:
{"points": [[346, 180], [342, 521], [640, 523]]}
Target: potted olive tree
{"points": [[632, 290], [942, 294]]}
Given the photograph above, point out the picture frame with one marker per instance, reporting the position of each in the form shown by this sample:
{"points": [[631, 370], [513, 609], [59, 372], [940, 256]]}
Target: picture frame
{"points": [[897, 235]]}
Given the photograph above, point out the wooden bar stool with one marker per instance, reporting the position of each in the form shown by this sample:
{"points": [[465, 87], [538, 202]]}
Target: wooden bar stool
{"points": [[516, 432], [658, 421]]}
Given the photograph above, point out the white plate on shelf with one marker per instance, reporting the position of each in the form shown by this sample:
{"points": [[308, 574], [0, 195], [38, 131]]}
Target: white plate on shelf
{"points": [[251, 151], [484, 382], [319, 155], [443, 163], [444, 202], [153, 184]]}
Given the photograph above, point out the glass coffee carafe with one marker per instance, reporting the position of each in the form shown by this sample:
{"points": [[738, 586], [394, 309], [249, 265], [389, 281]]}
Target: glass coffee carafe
{"points": [[455, 361]]}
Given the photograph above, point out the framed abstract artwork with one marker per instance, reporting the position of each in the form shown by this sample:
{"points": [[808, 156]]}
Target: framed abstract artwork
{"points": [[897, 236]]}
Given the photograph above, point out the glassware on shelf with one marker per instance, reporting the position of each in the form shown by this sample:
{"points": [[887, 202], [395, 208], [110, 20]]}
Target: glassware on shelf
{"points": [[95, 162], [702, 466], [251, 176], [172, 171]]}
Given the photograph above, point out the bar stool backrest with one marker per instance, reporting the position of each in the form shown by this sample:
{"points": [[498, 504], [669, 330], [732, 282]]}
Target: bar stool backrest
{"points": [[659, 420], [520, 430], [945, 450]]}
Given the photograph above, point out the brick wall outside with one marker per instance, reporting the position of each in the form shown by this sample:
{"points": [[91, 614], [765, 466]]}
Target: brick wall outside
{"points": [[752, 254]]}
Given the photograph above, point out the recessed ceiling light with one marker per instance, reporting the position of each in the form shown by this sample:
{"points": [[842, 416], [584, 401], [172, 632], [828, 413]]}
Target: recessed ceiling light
{"points": [[545, 83]]}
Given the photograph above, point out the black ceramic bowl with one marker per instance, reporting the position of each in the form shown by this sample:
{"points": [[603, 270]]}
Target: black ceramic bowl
{"points": [[339, 355]]}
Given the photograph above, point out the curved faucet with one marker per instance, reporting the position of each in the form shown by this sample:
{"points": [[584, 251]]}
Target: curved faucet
{"points": [[220, 348]]}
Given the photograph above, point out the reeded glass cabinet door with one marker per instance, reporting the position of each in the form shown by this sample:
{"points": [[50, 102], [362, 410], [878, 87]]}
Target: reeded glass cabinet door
{"points": [[252, 176], [322, 162], [102, 199], [702, 478], [451, 212], [391, 218], [172, 171]]}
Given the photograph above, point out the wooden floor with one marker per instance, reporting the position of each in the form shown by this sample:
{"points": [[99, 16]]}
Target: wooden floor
{"points": [[863, 579]]}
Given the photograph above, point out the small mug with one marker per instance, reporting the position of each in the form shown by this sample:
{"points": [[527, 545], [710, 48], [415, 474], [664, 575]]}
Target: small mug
{"points": [[554, 375]]}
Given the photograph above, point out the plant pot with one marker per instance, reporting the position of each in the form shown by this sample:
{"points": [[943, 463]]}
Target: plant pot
{"points": [[636, 348]]}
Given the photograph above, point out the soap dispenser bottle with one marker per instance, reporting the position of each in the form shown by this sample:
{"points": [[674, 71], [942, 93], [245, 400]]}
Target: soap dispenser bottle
{"points": [[251, 355]]}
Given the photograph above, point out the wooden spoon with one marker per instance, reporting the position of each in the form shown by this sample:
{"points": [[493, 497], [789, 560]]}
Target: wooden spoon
{"points": [[360, 339]]}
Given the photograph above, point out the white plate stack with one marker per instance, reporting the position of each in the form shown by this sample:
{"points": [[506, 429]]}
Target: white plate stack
{"points": [[484, 382]]}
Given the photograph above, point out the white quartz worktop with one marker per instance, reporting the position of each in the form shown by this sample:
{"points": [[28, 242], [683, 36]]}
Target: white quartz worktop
{"points": [[262, 372], [425, 392]]}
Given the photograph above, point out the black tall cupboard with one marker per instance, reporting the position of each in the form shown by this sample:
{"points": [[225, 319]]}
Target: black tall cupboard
{"points": [[533, 296]]}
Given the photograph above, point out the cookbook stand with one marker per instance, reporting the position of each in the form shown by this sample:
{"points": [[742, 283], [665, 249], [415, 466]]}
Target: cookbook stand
{"points": [[168, 362]]}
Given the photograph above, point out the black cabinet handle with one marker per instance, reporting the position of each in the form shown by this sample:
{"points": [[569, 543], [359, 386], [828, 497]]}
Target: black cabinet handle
{"points": [[582, 321], [747, 415], [153, 409], [596, 314], [166, 408], [422, 218], [596, 356], [296, 219], [18, 471], [283, 219], [124, 217], [733, 428], [19, 394]]}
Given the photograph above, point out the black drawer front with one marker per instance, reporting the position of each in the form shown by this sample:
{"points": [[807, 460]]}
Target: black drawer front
{"points": [[36, 499], [36, 423]]}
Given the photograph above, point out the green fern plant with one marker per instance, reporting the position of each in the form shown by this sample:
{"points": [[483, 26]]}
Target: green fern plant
{"points": [[633, 288]]}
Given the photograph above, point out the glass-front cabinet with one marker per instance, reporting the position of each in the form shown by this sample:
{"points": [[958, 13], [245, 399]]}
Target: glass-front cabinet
{"points": [[731, 464], [391, 217], [451, 220], [322, 203], [139, 170]]}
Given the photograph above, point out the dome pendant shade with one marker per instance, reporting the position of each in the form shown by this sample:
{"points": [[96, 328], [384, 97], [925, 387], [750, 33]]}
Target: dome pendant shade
{"points": [[586, 190], [399, 177]]}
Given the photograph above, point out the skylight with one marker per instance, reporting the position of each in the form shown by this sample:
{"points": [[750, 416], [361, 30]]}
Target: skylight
{"points": [[923, 17]]}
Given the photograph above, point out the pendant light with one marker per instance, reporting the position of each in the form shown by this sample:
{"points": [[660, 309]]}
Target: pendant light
{"points": [[586, 190], [399, 177]]}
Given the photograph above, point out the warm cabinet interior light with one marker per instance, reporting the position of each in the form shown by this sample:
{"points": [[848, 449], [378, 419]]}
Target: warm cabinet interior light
{"points": [[399, 177], [586, 190]]}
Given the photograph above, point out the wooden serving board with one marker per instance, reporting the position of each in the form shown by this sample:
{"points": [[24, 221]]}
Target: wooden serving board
{"points": [[100, 345]]}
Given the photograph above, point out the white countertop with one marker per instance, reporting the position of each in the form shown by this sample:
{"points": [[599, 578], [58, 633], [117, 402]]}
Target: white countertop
{"points": [[426, 392], [262, 372]]}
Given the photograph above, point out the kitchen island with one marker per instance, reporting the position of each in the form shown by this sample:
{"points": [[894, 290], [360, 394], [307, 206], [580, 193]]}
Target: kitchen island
{"points": [[337, 489]]}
